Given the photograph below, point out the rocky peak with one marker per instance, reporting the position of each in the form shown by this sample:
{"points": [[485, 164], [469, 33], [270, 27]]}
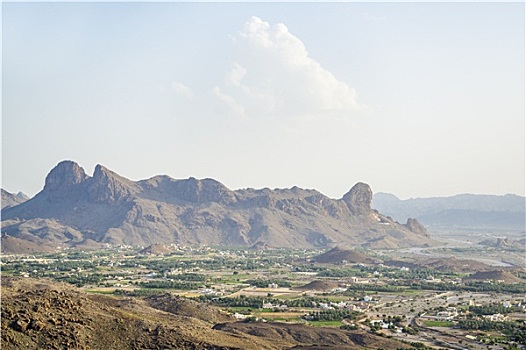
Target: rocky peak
{"points": [[102, 173], [22, 196], [65, 174], [414, 226], [109, 186], [359, 199]]}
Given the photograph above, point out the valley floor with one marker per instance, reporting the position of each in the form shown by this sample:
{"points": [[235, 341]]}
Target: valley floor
{"points": [[213, 298]]}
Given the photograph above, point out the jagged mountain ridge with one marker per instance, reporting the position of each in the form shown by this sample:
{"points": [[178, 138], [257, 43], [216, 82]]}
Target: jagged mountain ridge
{"points": [[74, 208]]}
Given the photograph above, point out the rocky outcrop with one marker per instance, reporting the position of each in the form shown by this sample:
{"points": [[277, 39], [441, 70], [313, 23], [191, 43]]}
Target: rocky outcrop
{"points": [[65, 175], [107, 186], [359, 199], [414, 226]]}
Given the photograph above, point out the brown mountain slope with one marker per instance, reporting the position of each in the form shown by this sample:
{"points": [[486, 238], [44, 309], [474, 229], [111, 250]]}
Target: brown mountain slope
{"points": [[495, 275], [186, 307], [318, 285], [40, 314], [16, 245], [337, 255], [323, 338], [109, 208]]}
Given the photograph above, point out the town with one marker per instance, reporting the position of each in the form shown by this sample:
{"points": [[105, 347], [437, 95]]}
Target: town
{"points": [[427, 308]]}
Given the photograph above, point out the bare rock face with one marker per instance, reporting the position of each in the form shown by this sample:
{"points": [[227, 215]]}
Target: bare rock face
{"points": [[359, 199], [201, 191], [414, 226], [65, 175], [107, 186]]}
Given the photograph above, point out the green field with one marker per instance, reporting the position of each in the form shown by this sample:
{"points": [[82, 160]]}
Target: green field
{"points": [[431, 323]]}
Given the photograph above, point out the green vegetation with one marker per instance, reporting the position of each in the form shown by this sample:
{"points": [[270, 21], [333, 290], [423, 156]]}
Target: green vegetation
{"points": [[401, 286], [433, 323], [342, 273], [263, 283], [375, 288], [80, 280], [493, 309], [170, 285], [191, 277], [242, 301], [332, 315], [222, 278], [515, 331]]}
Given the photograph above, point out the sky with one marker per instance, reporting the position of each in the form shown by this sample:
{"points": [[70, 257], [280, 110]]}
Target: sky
{"points": [[415, 99]]}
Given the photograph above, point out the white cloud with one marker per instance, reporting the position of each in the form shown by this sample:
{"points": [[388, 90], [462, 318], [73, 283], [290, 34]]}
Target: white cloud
{"points": [[182, 90], [274, 76], [234, 108], [234, 76]]}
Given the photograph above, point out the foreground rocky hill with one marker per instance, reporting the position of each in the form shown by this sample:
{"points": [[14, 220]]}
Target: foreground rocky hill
{"points": [[75, 209], [40, 314]]}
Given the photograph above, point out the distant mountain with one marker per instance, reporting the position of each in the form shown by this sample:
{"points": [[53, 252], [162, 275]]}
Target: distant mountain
{"points": [[465, 210], [11, 199], [75, 209], [448, 264]]}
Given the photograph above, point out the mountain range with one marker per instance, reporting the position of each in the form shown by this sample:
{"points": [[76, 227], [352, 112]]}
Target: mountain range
{"points": [[462, 211], [11, 199], [75, 209]]}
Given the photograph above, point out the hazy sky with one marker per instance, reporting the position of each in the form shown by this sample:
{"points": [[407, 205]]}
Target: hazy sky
{"points": [[415, 99]]}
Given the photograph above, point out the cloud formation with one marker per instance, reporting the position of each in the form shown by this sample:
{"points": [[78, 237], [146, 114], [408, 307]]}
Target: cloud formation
{"points": [[182, 90], [273, 76]]}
